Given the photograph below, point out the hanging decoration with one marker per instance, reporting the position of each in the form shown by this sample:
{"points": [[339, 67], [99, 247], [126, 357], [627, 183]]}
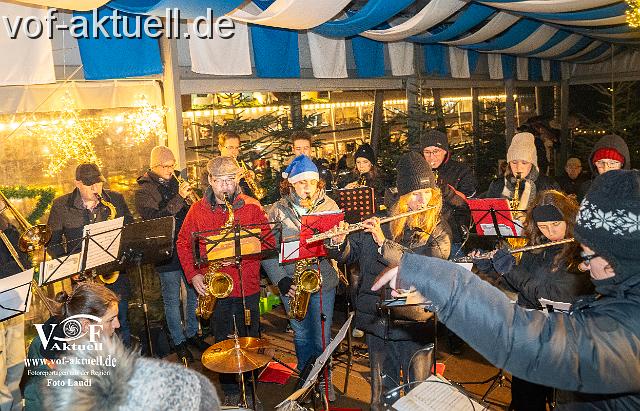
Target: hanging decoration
{"points": [[44, 195], [71, 137], [147, 122], [633, 13]]}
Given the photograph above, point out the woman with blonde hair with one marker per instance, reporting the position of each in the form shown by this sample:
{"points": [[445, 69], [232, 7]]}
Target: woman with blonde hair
{"points": [[552, 273], [395, 345]]}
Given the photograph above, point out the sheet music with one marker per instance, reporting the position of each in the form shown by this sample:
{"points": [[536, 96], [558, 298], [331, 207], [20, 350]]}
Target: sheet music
{"points": [[13, 293], [58, 268], [557, 305], [289, 250], [489, 229], [107, 235], [320, 361], [436, 394]]}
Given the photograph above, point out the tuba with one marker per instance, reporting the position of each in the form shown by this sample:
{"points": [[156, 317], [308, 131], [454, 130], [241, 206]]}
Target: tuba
{"points": [[307, 282], [217, 283]]}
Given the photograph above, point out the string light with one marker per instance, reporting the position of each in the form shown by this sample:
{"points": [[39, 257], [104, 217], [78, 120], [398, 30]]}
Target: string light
{"points": [[71, 138], [146, 122], [633, 13]]}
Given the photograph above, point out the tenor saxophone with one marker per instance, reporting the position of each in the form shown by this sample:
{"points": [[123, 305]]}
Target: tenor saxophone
{"points": [[218, 284], [113, 277]]}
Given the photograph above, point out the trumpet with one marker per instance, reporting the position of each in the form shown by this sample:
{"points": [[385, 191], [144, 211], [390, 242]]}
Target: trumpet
{"points": [[485, 256], [193, 197], [359, 226]]}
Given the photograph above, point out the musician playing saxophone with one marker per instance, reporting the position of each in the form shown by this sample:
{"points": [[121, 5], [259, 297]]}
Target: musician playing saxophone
{"points": [[391, 345], [89, 203], [211, 213], [302, 193], [160, 194], [552, 273]]}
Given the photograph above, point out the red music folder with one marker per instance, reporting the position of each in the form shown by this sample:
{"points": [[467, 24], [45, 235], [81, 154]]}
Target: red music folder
{"points": [[315, 223], [484, 222]]}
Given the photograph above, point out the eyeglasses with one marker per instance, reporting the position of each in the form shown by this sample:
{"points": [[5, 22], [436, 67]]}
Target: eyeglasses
{"points": [[224, 181], [586, 258], [608, 163], [167, 166], [232, 148], [432, 153]]}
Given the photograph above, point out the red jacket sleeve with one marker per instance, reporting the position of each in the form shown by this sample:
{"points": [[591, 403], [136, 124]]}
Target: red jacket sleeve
{"points": [[184, 245]]}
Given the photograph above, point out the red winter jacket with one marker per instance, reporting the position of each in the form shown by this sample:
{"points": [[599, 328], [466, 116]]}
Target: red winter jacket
{"points": [[203, 217]]}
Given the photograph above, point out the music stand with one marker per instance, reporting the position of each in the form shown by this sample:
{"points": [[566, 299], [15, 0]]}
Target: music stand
{"points": [[235, 242], [357, 204], [146, 242], [15, 294]]}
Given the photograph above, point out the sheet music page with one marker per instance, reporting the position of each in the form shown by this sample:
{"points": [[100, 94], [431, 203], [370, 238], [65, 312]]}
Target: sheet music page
{"points": [[489, 229], [57, 268], [289, 250], [107, 235], [13, 293], [436, 394]]}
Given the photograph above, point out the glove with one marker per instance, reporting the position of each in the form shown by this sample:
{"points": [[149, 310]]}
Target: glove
{"points": [[285, 284], [503, 261], [483, 264]]}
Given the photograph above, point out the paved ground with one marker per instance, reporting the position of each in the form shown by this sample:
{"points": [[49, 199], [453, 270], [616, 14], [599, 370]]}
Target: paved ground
{"points": [[467, 366]]}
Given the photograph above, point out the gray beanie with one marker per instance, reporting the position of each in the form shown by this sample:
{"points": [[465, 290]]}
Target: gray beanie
{"points": [[523, 147], [160, 155], [414, 173]]}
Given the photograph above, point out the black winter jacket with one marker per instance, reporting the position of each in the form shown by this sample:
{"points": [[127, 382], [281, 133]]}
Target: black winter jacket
{"points": [[594, 349], [455, 210], [157, 198], [360, 247]]}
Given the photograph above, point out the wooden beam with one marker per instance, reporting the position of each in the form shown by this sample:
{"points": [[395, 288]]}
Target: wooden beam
{"points": [[377, 119], [510, 111], [172, 100]]}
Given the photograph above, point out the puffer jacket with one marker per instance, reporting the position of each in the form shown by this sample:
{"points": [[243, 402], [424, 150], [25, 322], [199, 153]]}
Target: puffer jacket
{"points": [[282, 212], [595, 349], [360, 247]]}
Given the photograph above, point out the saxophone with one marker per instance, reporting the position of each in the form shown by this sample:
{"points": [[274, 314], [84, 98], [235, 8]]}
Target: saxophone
{"points": [[307, 282], [113, 277], [306, 279], [218, 284], [514, 204]]}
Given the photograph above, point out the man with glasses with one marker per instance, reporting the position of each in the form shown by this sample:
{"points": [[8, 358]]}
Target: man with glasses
{"points": [[593, 350], [160, 195], [455, 180], [229, 146], [609, 153], [301, 142], [211, 213], [573, 179]]}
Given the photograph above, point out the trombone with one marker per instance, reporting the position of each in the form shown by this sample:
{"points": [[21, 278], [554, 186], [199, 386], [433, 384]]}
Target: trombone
{"points": [[32, 239]]}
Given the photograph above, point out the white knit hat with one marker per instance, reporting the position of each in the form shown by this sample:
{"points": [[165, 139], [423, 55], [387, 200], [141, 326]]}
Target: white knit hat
{"points": [[523, 147]]}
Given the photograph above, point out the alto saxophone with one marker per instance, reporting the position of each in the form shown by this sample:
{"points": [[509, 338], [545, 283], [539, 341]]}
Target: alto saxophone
{"points": [[217, 283], [307, 282], [514, 204]]}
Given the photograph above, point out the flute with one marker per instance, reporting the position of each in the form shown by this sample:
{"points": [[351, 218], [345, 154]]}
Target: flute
{"points": [[467, 259], [358, 226]]}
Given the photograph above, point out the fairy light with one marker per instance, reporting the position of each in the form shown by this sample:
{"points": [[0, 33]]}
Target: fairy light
{"points": [[146, 122], [633, 13], [70, 137]]}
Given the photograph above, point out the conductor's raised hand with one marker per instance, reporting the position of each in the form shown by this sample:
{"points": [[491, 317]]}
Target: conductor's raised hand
{"points": [[198, 284], [387, 277]]}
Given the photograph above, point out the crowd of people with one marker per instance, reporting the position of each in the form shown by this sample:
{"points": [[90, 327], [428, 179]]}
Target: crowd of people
{"points": [[587, 357]]}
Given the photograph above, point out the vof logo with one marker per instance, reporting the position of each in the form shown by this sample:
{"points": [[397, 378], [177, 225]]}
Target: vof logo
{"points": [[72, 329]]}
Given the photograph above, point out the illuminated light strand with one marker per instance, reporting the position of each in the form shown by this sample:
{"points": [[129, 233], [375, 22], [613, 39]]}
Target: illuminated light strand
{"points": [[633, 14]]}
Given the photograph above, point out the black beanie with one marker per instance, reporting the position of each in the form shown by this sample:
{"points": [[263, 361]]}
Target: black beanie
{"points": [[414, 173], [365, 151], [609, 221], [434, 138]]}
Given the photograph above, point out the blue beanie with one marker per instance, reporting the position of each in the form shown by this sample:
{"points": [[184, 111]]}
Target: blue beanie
{"points": [[301, 168]]}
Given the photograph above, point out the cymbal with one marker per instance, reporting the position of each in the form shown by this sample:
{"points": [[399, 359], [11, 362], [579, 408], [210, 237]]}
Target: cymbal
{"points": [[225, 357]]}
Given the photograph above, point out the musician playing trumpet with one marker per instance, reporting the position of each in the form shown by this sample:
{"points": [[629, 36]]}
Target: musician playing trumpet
{"points": [[160, 194], [303, 193], [229, 146], [551, 273], [392, 344], [211, 213]]}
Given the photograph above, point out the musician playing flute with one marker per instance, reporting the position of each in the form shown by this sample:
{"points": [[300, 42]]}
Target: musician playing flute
{"points": [[160, 194], [395, 345], [303, 193], [551, 273]]}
